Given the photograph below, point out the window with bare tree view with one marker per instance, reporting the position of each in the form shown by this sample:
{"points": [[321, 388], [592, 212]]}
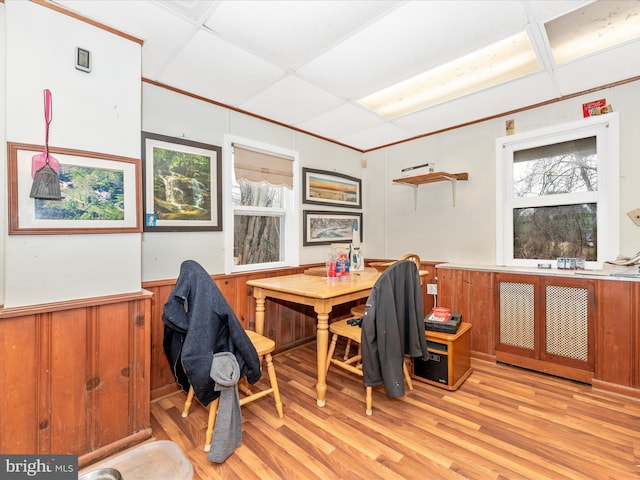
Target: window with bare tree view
{"points": [[558, 193], [262, 217], [543, 232]]}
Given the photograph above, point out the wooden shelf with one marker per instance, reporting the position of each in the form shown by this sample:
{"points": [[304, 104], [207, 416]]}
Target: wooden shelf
{"points": [[431, 178]]}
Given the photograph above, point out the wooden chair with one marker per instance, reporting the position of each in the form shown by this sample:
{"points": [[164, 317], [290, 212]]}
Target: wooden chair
{"points": [[358, 310], [353, 333], [353, 364], [264, 346]]}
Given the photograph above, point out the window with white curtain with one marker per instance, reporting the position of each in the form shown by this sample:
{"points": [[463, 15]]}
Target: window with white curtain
{"points": [[261, 214], [557, 193]]}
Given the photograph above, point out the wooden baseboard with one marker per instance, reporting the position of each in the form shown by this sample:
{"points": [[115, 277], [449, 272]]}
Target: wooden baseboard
{"points": [[545, 367], [615, 388]]}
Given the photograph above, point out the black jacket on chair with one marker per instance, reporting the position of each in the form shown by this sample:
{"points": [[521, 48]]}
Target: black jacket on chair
{"points": [[392, 327], [198, 323]]}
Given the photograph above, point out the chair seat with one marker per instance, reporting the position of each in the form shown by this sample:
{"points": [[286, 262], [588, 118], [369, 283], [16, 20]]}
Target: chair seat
{"points": [[358, 310], [344, 329], [262, 344]]}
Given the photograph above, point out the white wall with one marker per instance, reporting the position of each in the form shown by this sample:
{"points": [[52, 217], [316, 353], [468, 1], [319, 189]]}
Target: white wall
{"points": [[169, 113], [466, 233], [98, 112], [3, 160]]}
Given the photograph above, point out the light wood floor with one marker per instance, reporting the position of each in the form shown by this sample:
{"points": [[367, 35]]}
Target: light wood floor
{"points": [[502, 423]]}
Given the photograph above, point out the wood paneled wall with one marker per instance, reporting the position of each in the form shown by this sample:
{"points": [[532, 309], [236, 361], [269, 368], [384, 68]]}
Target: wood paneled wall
{"points": [[74, 376]]}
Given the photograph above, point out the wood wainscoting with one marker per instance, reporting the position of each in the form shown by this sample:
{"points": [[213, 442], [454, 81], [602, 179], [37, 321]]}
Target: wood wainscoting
{"points": [[74, 376]]}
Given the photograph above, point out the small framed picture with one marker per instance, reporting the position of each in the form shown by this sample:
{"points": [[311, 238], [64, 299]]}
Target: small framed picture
{"points": [[83, 59]]}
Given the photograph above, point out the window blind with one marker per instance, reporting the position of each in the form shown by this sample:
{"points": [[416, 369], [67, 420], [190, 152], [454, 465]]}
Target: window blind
{"points": [[255, 166]]}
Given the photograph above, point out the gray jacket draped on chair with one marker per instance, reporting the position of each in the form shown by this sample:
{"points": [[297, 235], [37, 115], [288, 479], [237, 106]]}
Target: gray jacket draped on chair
{"points": [[393, 326]]}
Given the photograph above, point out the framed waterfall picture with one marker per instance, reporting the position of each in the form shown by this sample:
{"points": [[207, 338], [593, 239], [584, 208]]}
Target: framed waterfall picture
{"points": [[182, 183]]}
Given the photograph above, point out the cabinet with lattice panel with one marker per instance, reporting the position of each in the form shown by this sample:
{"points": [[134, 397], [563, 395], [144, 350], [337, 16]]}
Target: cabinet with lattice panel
{"points": [[546, 323]]}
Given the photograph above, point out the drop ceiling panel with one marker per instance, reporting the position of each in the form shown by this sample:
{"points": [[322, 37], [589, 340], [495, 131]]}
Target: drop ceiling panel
{"points": [[216, 69], [342, 121], [291, 101], [408, 41], [494, 101], [599, 69], [267, 28], [373, 137]]}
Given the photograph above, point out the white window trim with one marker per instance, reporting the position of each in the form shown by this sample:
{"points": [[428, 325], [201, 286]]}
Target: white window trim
{"points": [[606, 128], [291, 245]]}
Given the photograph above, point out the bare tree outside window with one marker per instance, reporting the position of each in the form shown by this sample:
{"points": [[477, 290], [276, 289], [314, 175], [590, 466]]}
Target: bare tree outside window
{"points": [[569, 230], [257, 237]]}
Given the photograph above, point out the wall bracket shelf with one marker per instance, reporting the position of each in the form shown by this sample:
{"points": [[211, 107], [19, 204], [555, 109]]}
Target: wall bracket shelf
{"points": [[417, 180]]}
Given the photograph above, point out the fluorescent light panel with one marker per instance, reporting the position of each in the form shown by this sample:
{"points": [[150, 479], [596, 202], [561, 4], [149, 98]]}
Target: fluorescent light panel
{"points": [[592, 28], [498, 63]]}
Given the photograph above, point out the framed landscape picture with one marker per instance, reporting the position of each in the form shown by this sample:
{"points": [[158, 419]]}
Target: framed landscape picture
{"points": [[100, 193], [182, 184], [321, 187], [325, 228]]}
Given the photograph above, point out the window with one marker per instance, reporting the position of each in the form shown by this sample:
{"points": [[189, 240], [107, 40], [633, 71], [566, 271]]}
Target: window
{"points": [[557, 194], [261, 215]]}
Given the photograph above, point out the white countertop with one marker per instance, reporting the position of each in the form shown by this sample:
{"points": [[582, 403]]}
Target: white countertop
{"points": [[615, 273]]}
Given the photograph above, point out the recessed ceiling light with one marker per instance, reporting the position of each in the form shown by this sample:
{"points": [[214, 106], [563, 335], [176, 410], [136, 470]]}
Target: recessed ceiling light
{"points": [[592, 28], [498, 63]]}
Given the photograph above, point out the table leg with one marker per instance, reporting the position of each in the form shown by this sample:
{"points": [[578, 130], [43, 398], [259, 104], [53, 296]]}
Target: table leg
{"points": [[260, 298], [322, 346]]}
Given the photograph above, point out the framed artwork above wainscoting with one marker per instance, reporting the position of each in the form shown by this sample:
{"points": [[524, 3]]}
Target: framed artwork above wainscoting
{"points": [[100, 193], [182, 184]]}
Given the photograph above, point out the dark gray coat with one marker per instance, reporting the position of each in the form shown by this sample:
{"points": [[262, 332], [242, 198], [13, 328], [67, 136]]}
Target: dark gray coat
{"points": [[393, 326], [198, 323]]}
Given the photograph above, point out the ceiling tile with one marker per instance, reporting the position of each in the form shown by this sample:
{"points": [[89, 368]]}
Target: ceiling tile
{"points": [[494, 101], [215, 69], [341, 121], [410, 40], [382, 134], [302, 101], [289, 33]]}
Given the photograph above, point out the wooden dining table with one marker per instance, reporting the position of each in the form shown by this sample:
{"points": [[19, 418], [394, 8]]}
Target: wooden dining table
{"points": [[320, 293]]}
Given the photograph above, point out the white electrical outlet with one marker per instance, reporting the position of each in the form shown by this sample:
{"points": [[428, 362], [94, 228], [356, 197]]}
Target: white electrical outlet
{"points": [[432, 288]]}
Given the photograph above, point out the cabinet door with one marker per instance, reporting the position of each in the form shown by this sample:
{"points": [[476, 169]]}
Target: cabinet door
{"points": [[567, 323], [516, 299]]}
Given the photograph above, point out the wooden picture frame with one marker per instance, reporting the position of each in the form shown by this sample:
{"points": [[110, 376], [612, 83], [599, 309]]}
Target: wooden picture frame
{"points": [[100, 193], [326, 227], [182, 184], [321, 187]]}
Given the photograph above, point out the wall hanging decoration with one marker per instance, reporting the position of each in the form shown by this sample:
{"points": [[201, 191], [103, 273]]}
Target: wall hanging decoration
{"points": [[321, 187], [182, 184], [44, 167], [100, 193], [325, 228]]}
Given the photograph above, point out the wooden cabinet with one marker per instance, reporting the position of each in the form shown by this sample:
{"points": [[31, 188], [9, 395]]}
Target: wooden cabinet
{"points": [[449, 362], [546, 323], [74, 376], [583, 328]]}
